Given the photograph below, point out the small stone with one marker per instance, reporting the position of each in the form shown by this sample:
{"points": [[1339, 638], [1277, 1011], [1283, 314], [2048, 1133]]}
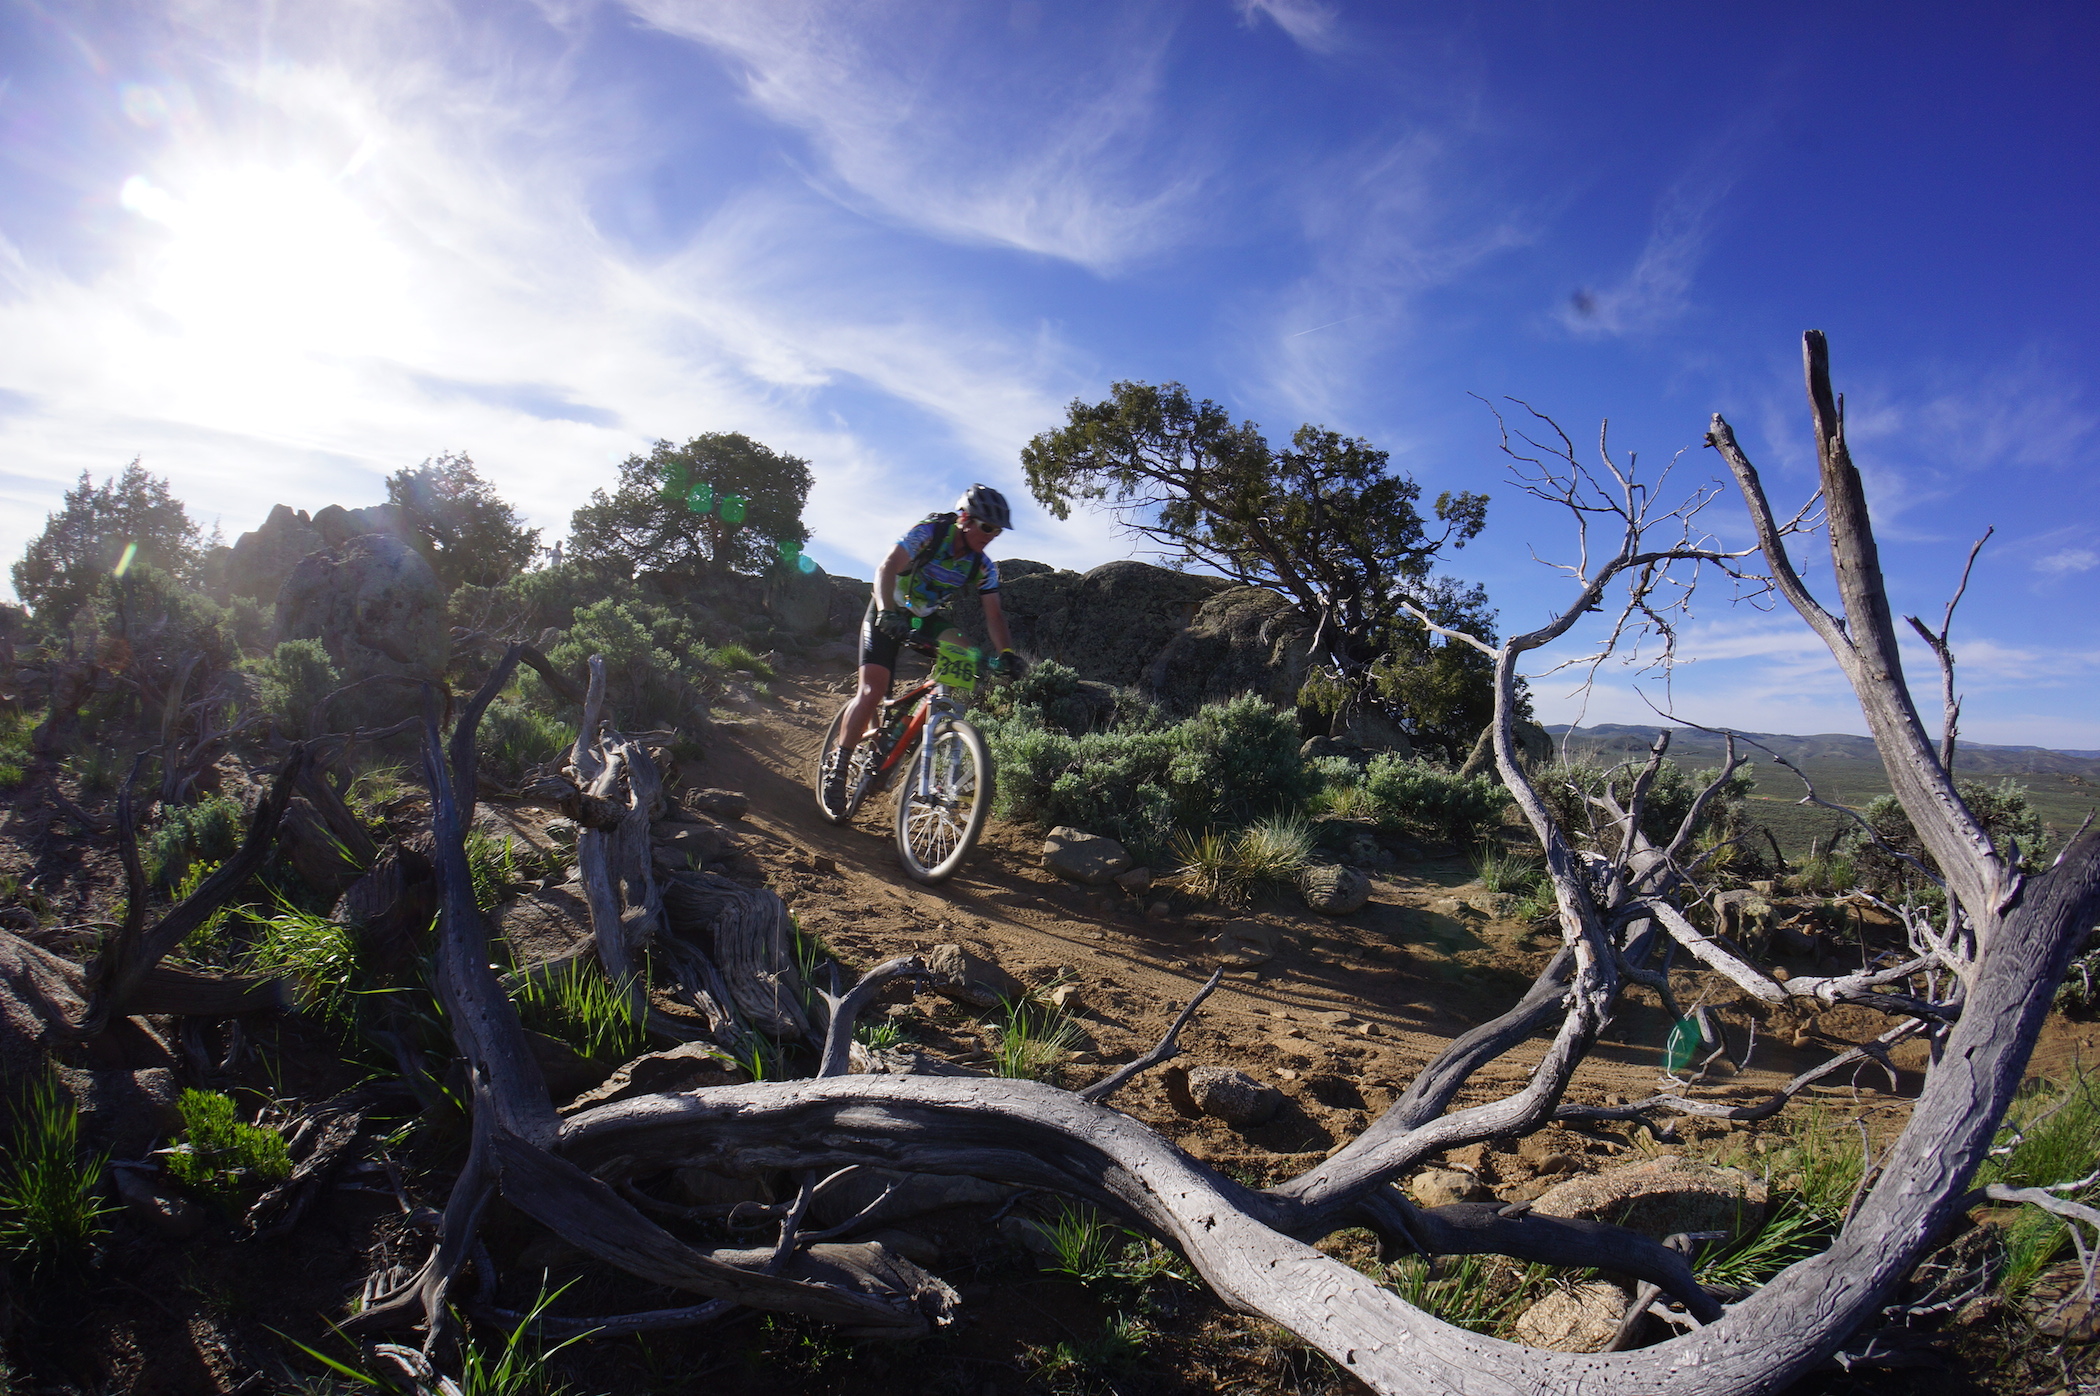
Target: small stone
{"points": [[1557, 1163], [1086, 858], [970, 979], [1158, 911], [1136, 882], [1369, 1030], [824, 863], [722, 804], [1441, 1187], [1334, 889], [1232, 1096], [1065, 998]]}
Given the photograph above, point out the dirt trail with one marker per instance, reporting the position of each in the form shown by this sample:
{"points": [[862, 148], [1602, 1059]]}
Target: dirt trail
{"points": [[1340, 1019]]}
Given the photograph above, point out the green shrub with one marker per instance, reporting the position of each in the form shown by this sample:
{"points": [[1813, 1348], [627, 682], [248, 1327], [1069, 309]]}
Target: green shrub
{"points": [[513, 738], [1426, 799], [2002, 809], [17, 732], [209, 831], [291, 680], [581, 1007], [51, 1206], [1231, 763], [220, 1156], [730, 658], [655, 667], [1568, 787]]}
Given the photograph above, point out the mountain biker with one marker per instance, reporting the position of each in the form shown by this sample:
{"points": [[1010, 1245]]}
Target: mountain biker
{"points": [[937, 558]]}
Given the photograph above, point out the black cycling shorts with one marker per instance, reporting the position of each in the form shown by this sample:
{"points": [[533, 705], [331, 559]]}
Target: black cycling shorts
{"points": [[880, 649]]}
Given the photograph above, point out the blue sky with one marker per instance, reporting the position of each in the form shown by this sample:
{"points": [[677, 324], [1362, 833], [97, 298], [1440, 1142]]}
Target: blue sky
{"points": [[280, 251]]}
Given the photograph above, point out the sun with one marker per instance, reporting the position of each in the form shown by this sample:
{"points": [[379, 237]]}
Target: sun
{"points": [[261, 261]]}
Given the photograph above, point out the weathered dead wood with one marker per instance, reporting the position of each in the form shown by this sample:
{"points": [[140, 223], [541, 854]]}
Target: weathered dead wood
{"points": [[1168, 1047], [845, 1009], [120, 969], [193, 993], [744, 931]]}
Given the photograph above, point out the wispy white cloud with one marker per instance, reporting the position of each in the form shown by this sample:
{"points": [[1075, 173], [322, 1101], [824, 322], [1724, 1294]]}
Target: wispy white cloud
{"points": [[1043, 146], [1310, 23], [1658, 288], [2068, 562], [377, 243]]}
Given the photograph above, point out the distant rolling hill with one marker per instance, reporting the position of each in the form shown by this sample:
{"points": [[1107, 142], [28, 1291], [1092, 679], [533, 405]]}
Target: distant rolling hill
{"points": [[2064, 786]]}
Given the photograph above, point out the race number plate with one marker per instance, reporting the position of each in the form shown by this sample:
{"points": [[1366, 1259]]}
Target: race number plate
{"points": [[955, 666]]}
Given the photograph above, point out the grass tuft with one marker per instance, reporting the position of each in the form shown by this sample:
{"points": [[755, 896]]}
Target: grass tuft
{"points": [[51, 1205], [1500, 870], [1032, 1042], [580, 1006], [1234, 869]]}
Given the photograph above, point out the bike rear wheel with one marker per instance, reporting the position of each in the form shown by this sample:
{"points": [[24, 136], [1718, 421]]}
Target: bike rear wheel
{"points": [[937, 827], [856, 776]]}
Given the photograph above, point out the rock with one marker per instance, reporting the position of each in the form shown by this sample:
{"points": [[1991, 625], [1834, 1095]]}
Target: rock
{"points": [[1159, 911], [160, 1210], [722, 804], [1107, 625], [920, 1250], [547, 926], [799, 602], [1659, 1197], [1535, 747], [1579, 1318], [679, 847], [1246, 640], [1334, 889], [511, 822], [1065, 999], [2057, 1306], [970, 979], [1136, 882], [1440, 1187], [911, 1195], [690, 1066], [124, 1111], [338, 525], [1083, 857], [377, 608], [262, 558], [1245, 943], [1744, 917], [1795, 943], [1232, 1096], [1372, 734]]}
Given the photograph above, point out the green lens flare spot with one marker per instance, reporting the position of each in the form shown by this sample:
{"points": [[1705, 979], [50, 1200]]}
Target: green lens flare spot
{"points": [[1682, 1044], [733, 508], [701, 499]]}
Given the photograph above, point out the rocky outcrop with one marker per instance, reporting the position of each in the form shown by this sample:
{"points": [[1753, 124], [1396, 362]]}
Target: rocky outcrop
{"points": [[1108, 624], [338, 525], [801, 602], [262, 558], [376, 607], [1243, 640]]}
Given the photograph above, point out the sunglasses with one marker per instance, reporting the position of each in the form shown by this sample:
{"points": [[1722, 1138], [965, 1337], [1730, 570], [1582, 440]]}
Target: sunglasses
{"points": [[986, 529]]}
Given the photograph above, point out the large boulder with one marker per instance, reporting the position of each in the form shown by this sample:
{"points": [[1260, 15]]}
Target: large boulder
{"points": [[338, 525], [1244, 640], [262, 558], [376, 607], [1108, 624], [800, 602]]}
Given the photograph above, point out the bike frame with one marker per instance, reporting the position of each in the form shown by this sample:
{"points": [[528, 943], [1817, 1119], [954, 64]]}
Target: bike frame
{"points": [[932, 704]]}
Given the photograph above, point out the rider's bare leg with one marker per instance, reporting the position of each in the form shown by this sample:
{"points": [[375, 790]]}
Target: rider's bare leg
{"points": [[874, 687]]}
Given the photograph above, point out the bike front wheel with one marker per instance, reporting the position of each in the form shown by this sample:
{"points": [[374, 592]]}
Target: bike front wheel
{"points": [[940, 816]]}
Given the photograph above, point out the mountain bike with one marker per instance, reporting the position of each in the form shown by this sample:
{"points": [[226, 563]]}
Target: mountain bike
{"points": [[920, 739]]}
